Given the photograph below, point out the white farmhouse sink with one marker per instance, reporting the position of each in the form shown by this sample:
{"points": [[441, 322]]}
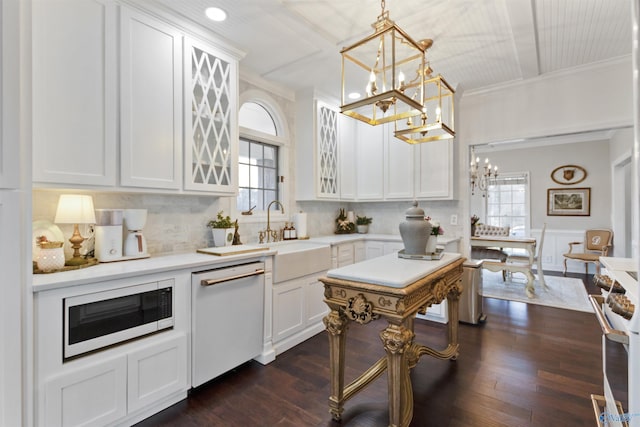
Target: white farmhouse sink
{"points": [[299, 258]]}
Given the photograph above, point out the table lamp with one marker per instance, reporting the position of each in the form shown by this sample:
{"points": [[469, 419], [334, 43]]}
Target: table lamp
{"points": [[75, 209]]}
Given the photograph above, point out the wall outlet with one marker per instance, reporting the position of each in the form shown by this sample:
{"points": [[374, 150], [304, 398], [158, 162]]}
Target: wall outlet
{"points": [[454, 219]]}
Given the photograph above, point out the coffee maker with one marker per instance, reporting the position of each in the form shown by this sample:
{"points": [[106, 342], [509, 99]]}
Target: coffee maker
{"points": [[108, 235], [135, 245]]}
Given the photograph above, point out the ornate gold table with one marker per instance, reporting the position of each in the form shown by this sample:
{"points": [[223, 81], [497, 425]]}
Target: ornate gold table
{"points": [[394, 289]]}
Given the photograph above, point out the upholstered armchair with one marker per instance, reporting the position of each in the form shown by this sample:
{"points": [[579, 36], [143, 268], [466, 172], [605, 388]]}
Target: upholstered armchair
{"points": [[596, 244]]}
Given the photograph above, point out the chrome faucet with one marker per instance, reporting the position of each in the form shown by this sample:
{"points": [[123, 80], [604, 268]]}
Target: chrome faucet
{"points": [[269, 232]]}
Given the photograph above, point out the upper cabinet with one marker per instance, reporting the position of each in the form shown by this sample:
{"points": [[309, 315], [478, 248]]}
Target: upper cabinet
{"points": [[74, 92], [434, 170], [327, 151], [176, 112], [347, 157], [340, 158], [369, 161], [399, 167], [150, 110], [317, 148], [211, 109]]}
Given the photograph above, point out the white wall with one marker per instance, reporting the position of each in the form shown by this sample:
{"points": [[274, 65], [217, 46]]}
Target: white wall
{"points": [[585, 98], [541, 161]]}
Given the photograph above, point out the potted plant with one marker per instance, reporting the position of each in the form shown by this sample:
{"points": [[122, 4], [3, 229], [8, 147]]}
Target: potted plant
{"points": [[222, 230], [362, 224]]}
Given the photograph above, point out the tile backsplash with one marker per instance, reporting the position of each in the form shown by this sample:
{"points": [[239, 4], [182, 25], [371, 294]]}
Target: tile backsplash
{"points": [[178, 223]]}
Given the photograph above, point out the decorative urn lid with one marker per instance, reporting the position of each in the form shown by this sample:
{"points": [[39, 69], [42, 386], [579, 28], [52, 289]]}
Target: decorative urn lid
{"points": [[415, 212]]}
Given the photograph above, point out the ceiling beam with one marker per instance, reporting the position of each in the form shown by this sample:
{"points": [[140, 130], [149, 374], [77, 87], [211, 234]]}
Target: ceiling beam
{"points": [[523, 27]]}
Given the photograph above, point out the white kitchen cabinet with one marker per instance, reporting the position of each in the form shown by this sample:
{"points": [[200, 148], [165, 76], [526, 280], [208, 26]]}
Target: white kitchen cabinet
{"points": [[359, 251], [288, 308], [156, 371], [370, 162], [347, 157], [211, 123], [74, 92], [119, 384], [434, 170], [108, 390], [342, 254], [374, 249], [327, 151], [323, 136], [391, 247], [298, 310], [91, 396], [150, 107], [398, 167], [317, 309]]}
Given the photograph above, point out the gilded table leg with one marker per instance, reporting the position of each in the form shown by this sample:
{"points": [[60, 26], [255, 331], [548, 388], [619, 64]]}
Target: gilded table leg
{"points": [[337, 326], [397, 340], [453, 298]]}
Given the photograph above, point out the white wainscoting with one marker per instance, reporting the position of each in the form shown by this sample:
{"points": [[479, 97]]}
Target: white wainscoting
{"points": [[556, 243]]}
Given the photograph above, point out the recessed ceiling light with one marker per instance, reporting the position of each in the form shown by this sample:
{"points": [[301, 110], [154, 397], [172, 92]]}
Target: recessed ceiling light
{"points": [[354, 95], [215, 14]]}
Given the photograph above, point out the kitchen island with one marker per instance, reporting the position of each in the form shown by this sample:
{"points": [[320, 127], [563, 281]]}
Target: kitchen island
{"points": [[395, 289]]}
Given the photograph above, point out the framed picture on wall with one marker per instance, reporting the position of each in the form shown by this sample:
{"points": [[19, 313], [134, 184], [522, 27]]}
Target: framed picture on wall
{"points": [[569, 201]]}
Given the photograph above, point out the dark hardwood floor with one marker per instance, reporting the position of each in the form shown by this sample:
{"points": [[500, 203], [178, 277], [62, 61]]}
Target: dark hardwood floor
{"points": [[528, 365]]}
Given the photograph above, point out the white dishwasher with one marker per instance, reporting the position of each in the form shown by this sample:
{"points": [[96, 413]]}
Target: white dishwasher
{"points": [[227, 306]]}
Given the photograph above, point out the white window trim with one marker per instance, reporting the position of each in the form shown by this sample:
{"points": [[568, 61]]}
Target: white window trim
{"points": [[282, 141], [527, 198]]}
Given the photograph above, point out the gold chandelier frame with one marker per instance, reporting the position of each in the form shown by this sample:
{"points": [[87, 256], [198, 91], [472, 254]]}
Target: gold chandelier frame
{"points": [[422, 108]]}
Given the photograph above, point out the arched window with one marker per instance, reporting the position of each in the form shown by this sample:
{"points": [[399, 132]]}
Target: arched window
{"points": [[258, 157], [254, 116]]}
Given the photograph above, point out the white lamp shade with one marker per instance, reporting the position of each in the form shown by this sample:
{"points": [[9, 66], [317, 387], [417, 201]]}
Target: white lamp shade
{"points": [[75, 209]]}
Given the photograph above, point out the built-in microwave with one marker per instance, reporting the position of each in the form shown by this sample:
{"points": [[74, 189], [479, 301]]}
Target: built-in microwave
{"points": [[102, 319]]}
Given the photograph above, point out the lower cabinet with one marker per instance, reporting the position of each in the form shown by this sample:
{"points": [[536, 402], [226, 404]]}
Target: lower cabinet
{"points": [[93, 395], [155, 372], [298, 309], [114, 388], [359, 251], [343, 254]]}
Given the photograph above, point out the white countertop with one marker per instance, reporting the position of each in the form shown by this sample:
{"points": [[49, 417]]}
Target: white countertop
{"points": [[390, 270], [191, 260], [123, 269]]}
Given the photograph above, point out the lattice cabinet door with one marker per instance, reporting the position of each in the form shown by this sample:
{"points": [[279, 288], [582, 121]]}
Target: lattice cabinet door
{"points": [[327, 151], [211, 139]]}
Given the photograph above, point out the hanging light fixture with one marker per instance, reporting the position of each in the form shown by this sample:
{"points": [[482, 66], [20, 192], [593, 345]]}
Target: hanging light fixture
{"points": [[392, 69], [379, 64], [435, 120], [481, 177]]}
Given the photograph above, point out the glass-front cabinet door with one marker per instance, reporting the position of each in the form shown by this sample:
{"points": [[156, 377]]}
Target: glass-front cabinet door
{"points": [[327, 151], [211, 139]]}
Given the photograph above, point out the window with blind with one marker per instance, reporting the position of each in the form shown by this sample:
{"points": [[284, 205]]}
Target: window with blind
{"points": [[508, 203]]}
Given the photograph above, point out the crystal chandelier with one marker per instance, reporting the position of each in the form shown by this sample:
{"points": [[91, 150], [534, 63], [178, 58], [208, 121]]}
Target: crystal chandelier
{"points": [[392, 69], [481, 177]]}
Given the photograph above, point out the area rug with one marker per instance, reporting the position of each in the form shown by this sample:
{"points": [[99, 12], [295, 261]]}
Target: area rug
{"points": [[561, 292]]}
